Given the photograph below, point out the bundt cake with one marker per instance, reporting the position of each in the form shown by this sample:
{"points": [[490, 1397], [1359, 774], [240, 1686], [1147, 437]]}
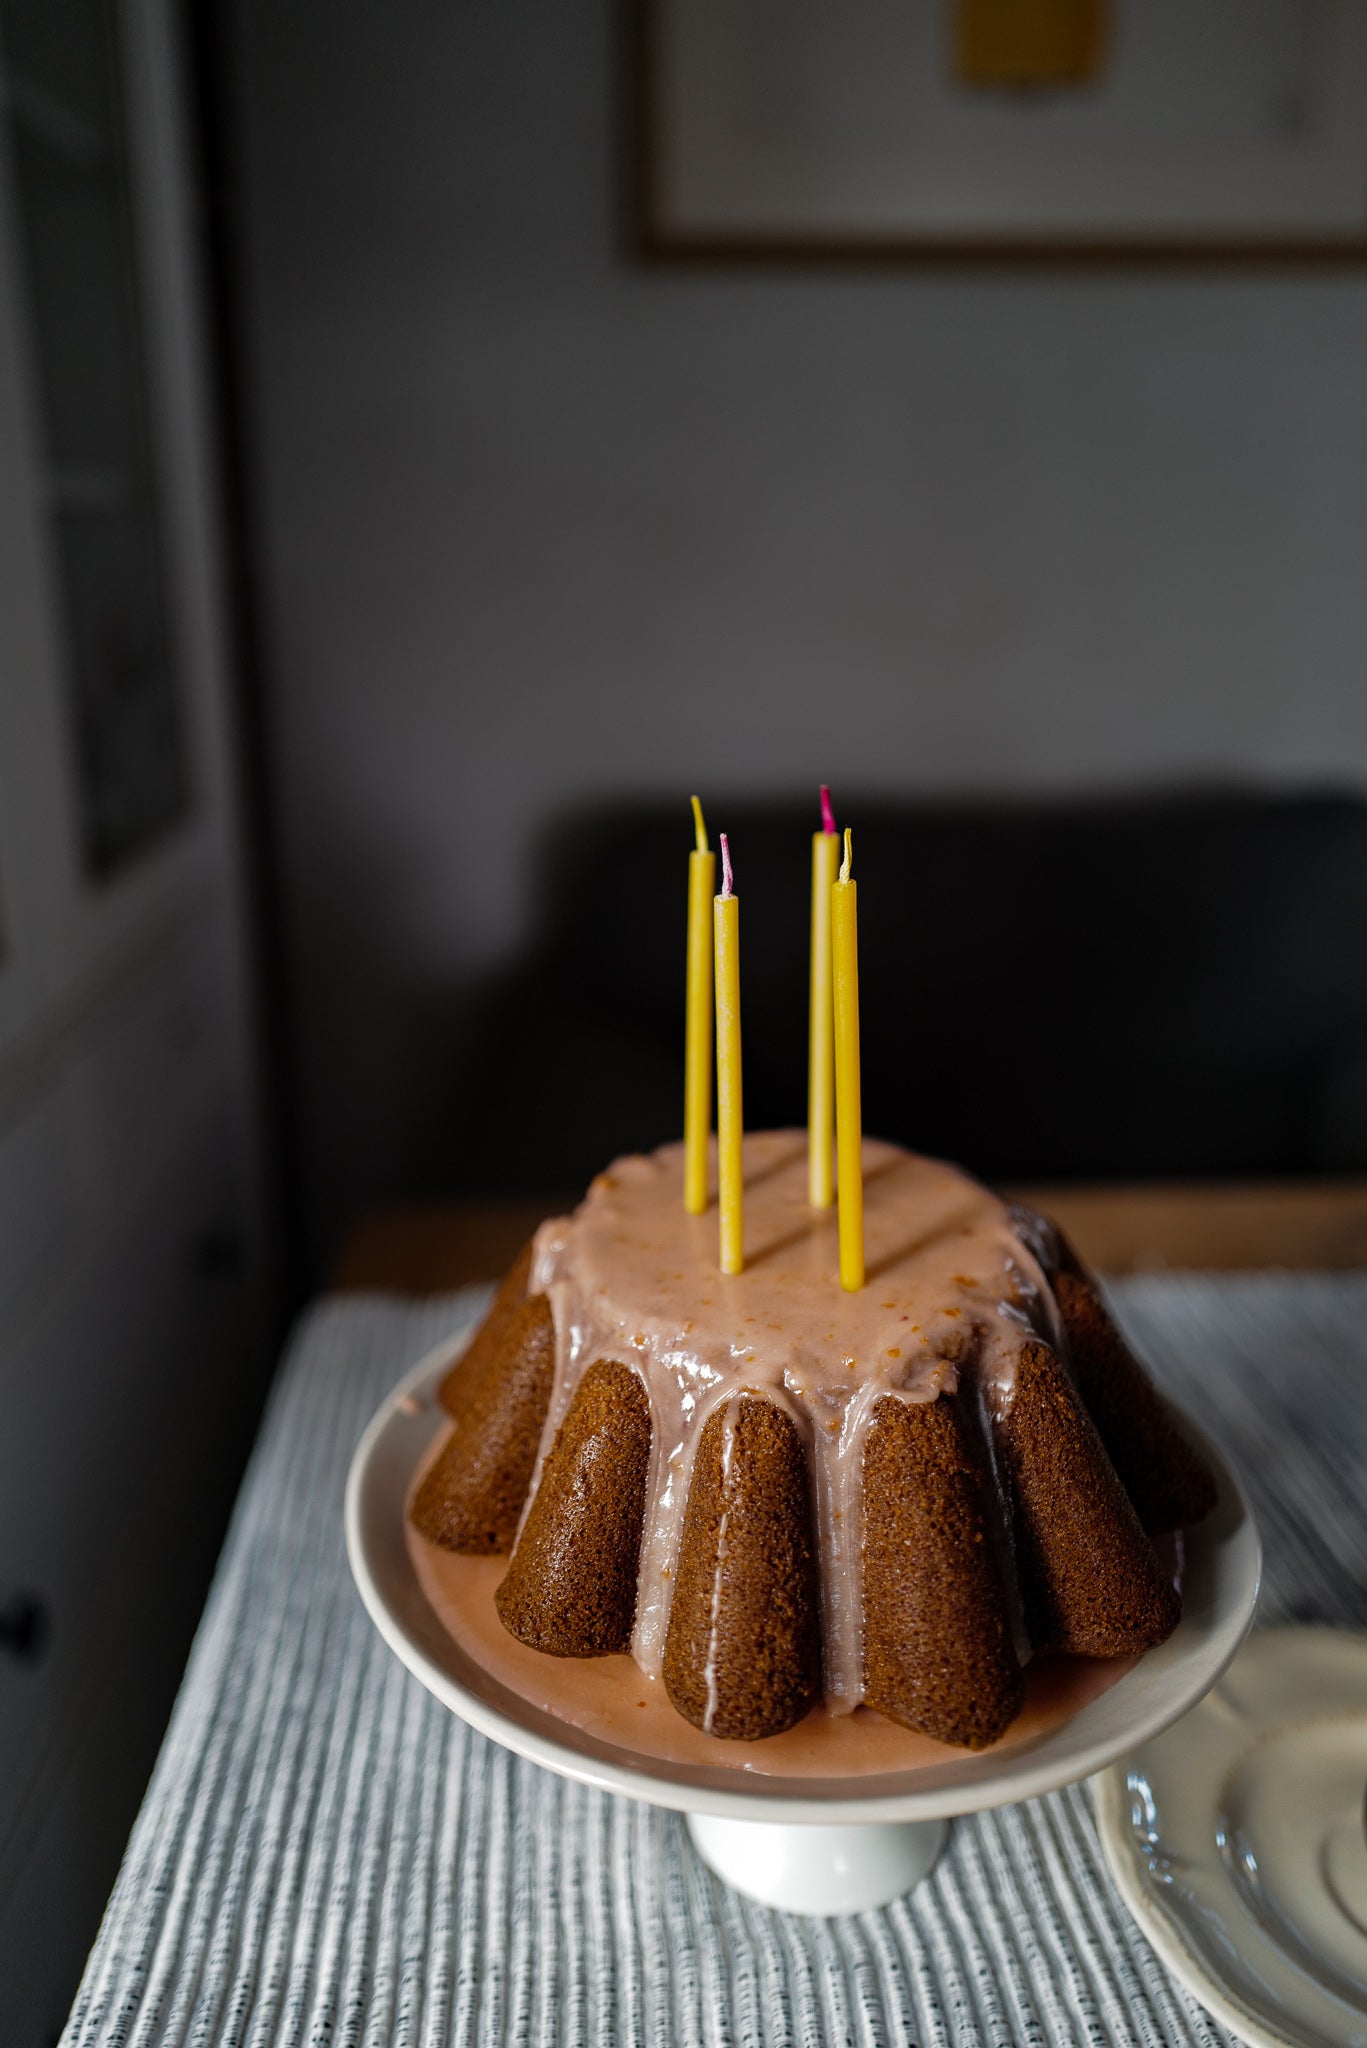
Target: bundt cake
{"points": [[771, 1492]]}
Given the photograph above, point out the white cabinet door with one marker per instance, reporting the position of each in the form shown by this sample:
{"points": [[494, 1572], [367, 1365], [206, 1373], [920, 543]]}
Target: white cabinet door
{"points": [[132, 1247]]}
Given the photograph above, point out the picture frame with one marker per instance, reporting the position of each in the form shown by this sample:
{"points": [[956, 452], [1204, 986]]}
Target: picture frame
{"points": [[1194, 132]]}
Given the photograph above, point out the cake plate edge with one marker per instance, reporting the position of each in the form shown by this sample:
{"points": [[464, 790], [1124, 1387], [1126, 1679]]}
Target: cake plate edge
{"points": [[1224, 1566]]}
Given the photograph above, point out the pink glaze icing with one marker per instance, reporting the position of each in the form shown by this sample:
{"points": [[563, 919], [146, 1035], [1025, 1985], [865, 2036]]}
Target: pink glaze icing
{"points": [[952, 1290], [610, 1698]]}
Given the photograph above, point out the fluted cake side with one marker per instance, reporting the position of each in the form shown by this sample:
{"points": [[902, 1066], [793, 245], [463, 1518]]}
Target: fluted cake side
{"points": [[771, 1492]]}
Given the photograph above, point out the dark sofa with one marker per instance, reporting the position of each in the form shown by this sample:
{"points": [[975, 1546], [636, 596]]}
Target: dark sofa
{"points": [[1151, 986]]}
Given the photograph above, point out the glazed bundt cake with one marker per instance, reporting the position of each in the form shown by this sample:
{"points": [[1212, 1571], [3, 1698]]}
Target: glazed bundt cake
{"points": [[772, 1492]]}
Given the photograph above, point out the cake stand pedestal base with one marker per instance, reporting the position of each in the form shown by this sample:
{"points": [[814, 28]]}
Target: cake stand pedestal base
{"points": [[819, 1870]]}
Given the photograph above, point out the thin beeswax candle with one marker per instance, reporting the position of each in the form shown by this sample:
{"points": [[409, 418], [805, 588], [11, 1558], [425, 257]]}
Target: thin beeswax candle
{"points": [[730, 1122], [698, 1019], [849, 1133], [821, 1015]]}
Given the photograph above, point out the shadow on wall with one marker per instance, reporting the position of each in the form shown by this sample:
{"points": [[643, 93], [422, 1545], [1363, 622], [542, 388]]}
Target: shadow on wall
{"points": [[1160, 986]]}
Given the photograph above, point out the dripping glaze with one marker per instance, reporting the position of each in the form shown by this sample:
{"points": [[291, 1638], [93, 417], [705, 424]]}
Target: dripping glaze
{"points": [[954, 1287]]}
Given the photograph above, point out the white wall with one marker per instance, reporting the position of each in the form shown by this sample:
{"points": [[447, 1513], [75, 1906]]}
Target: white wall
{"points": [[540, 524]]}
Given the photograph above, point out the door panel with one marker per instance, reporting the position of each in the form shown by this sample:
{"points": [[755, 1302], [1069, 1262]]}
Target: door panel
{"points": [[133, 1244]]}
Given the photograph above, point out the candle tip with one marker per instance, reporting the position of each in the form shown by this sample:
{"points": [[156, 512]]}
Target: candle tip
{"points": [[849, 855], [698, 826], [827, 814], [725, 866]]}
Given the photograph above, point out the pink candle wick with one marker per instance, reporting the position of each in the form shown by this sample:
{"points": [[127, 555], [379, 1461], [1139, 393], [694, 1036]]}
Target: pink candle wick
{"points": [[827, 814], [725, 866]]}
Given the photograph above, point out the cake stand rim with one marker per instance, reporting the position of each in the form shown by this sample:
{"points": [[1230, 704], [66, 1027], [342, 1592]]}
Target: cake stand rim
{"points": [[753, 1797]]}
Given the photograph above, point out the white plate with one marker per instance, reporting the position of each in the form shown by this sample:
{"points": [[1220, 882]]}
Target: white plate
{"points": [[1236, 1839], [1220, 1591]]}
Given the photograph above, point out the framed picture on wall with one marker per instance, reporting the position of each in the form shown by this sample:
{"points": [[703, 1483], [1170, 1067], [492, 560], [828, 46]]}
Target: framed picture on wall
{"points": [[1030, 129]]}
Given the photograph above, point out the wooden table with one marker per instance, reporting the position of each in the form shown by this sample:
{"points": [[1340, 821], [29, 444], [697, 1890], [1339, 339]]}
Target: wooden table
{"points": [[1117, 1228]]}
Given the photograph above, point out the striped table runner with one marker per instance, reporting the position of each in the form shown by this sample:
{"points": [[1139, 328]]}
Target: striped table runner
{"points": [[325, 1855]]}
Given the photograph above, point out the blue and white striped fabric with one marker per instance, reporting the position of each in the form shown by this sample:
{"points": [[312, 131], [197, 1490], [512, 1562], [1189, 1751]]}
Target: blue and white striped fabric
{"points": [[325, 1855]]}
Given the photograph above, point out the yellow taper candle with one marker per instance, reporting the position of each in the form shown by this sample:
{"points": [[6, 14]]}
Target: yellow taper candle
{"points": [[848, 1131], [730, 1120], [702, 872], [821, 1015]]}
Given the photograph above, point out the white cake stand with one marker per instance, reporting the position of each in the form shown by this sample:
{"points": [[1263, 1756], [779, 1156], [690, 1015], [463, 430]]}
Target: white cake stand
{"points": [[806, 1845]]}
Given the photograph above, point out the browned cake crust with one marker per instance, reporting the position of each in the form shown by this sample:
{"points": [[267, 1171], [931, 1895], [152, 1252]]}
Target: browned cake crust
{"points": [[938, 1653], [471, 1498], [571, 1586], [483, 1356], [1089, 1578], [743, 1651], [1170, 1487], [1088, 1456]]}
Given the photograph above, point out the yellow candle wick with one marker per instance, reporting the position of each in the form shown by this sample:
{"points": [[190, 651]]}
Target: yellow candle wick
{"points": [[849, 855], [699, 829]]}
